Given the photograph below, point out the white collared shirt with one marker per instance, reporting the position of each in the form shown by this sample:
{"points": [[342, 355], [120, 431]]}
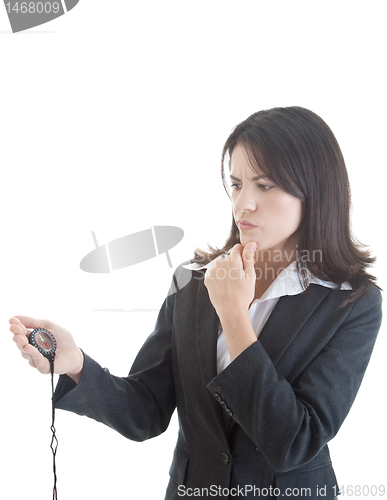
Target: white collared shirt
{"points": [[286, 283]]}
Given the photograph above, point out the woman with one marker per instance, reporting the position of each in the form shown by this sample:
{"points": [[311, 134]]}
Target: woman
{"points": [[261, 345]]}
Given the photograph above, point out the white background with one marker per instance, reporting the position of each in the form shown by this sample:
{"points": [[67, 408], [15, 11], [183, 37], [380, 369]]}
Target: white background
{"points": [[112, 120]]}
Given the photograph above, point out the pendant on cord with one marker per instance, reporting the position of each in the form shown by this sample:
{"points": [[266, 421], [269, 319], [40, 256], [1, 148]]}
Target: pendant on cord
{"points": [[44, 341]]}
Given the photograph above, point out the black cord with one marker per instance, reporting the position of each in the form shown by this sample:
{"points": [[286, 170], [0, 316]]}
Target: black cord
{"points": [[54, 441]]}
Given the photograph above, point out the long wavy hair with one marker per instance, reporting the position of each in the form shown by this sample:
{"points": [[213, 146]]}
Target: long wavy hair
{"points": [[297, 150]]}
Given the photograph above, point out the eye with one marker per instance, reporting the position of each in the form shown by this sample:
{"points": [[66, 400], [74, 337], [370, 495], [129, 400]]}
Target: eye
{"points": [[262, 187], [265, 187]]}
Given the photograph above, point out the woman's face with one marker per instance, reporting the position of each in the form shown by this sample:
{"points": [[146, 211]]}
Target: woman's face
{"points": [[274, 215]]}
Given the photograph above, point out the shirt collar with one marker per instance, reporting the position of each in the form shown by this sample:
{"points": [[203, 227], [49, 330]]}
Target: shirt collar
{"points": [[286, 283]]}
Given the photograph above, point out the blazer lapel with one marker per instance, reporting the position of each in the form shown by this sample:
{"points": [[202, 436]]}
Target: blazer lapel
{"points": [[207, 324], [287, 319], [285, 322]]}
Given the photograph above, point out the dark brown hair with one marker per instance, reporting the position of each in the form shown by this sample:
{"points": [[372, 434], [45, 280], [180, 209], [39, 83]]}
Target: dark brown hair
{"points": [[297, 150]]}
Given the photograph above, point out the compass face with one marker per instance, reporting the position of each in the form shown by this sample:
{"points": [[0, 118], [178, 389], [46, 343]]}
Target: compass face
{"points": [[43, 341]]}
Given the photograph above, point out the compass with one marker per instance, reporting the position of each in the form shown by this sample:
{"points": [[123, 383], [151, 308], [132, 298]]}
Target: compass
{"points": [[43, 341]]}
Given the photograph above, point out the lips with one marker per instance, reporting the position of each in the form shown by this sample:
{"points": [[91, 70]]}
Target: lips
{"points": [[245, 225]]}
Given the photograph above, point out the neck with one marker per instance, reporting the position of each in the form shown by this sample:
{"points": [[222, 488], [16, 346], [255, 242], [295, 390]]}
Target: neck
{"points": [[268, 265], [275, 259]]}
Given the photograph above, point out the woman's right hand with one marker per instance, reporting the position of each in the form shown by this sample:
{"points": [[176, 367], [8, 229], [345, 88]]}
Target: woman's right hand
{"points": [[68, 356]]}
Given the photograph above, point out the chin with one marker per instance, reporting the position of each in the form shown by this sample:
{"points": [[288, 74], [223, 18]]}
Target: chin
{"points": [[246, 239]]}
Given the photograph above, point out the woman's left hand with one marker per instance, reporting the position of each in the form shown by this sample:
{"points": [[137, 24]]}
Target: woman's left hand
{"points": [[231, 281]]}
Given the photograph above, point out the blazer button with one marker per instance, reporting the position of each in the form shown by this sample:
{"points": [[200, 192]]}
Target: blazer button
{"points": [[228, 411], [223, 405], [217, 397], [225, 458]]}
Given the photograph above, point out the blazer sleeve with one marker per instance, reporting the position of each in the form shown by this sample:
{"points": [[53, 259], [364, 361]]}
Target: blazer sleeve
{"points": [[138, 406], [288, 423]]}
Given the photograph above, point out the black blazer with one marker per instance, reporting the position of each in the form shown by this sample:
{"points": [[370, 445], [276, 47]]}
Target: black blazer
{"points": [[266, 419]]}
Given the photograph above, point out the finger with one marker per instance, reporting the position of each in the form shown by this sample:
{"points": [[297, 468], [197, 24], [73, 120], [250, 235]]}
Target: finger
{"points": [[29, 358], [236, 254], [237, 249], [35, 358], [23, 345], [17, 328], [38, 361], [25, 348], [248, 255], [28, 322]]}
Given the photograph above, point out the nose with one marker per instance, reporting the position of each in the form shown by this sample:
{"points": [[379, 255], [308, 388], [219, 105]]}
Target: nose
{"points": [[243, 201]]}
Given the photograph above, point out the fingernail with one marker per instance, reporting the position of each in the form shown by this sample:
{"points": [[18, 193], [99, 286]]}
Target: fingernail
{"points": [[252, 247]]}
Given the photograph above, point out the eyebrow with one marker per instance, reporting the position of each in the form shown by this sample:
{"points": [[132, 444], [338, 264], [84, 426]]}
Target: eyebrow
{"points": [[256, 178]]}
